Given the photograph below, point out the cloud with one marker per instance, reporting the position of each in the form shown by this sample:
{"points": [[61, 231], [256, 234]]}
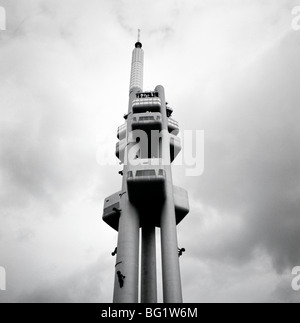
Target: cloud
{"points": [[283, 292], [248, 195], [85, 286]]}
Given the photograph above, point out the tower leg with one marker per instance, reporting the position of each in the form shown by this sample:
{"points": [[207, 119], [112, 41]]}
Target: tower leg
{"points": [[127, 263], [148, 267], [172, 292]]}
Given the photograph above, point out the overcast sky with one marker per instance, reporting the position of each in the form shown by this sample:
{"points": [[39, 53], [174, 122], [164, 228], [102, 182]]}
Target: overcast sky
{"points": [[230, 68]]}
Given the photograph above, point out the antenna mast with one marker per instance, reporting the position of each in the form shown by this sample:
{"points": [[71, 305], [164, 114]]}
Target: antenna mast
{"points": [[139, 34]]}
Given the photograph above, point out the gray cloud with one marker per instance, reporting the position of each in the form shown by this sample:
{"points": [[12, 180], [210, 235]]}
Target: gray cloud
{"points": [[252, 170], [84, 286], [284, 294]]}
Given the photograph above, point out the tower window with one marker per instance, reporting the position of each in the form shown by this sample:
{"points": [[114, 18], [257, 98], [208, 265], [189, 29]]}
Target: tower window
{"points": [[145, 172]]}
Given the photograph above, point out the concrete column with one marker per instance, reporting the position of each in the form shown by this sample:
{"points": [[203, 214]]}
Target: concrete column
{"points": [[127, 263], [172, 292], [148, 265]]}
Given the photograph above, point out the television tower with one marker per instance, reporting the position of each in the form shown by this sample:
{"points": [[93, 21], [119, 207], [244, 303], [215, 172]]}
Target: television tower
{"points": [[148, 144]]}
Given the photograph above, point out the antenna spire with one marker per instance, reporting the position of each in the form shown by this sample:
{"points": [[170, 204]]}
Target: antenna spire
{"points": [[139, 34], [138, 44]]}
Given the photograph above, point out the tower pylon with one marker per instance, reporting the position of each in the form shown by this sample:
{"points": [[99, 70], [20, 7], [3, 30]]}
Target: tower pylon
{"points": [[147, 146]]}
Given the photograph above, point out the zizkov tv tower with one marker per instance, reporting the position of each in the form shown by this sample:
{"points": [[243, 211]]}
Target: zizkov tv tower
{"points": [[148, 144]]}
